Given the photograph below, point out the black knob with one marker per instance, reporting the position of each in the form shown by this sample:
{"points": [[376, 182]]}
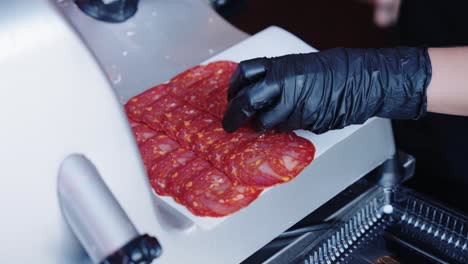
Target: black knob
{"points": [[109, 11], [141, 250], [227, 8]]}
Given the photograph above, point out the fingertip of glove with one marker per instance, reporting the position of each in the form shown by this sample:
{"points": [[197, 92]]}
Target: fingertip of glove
{"points": [[259, 126], [227, 126]]}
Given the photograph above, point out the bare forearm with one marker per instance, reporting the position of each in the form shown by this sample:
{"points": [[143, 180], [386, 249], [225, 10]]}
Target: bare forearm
{"points": [[448, 90]]}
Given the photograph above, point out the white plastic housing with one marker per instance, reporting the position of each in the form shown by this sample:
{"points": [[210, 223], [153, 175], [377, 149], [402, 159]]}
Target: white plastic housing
{"points": [[56, 101]]}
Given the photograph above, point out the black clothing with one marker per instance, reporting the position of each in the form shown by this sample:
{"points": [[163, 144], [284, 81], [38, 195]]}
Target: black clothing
{"points": [[439, 142]]}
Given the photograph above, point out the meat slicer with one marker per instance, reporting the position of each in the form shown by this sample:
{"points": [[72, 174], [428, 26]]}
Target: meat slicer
{"points": [[73, 188]]}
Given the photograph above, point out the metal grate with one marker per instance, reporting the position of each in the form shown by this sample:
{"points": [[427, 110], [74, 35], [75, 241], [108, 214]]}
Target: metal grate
{"points": [[414, 229], [347, 238], [441, 231]]}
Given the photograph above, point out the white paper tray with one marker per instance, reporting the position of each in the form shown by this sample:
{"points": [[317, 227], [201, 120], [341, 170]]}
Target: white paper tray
{"points": [[342, 157], [270, 42]]}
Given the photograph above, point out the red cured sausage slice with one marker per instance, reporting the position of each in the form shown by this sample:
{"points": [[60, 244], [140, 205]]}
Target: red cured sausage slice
{"points": [[218, 104], [167, 165], [213, 194], [185, 81], [270, 160], [181, 159], [153, 114], [173, 121], [186, 176], [218, 152], [191, 127], [135, 105], [133, 123], [242, 195], [208, 136], [142, 133], [212, 182], [181, 83], [199, 94], [156, 147]]}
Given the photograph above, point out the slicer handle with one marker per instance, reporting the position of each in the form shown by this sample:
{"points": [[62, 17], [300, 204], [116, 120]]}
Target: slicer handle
{"points": [[114, 11], [96, 217]]}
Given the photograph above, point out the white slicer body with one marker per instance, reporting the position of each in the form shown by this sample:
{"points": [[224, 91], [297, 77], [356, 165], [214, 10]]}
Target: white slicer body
{"points": [[65, 76]]}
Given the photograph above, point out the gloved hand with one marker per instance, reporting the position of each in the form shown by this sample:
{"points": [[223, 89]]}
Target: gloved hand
{"points": [[328, 90]]}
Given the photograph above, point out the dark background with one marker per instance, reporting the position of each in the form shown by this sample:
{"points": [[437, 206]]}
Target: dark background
{"points": [[321, 23], [439, 142]]}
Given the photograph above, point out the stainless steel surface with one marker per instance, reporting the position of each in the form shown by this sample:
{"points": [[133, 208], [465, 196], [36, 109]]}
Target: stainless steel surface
{"points": [[347, 236], [164, 37], [89, 207], [357, 218], [439, 226], [417, 231]]}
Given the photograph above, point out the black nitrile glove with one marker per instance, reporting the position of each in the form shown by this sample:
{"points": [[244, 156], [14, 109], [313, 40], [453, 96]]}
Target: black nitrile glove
{"points": [[328, 90]]}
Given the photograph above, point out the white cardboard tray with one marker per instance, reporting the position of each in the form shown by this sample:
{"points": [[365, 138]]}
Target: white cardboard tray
{"points": [[342, 157], [269, 43]]}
